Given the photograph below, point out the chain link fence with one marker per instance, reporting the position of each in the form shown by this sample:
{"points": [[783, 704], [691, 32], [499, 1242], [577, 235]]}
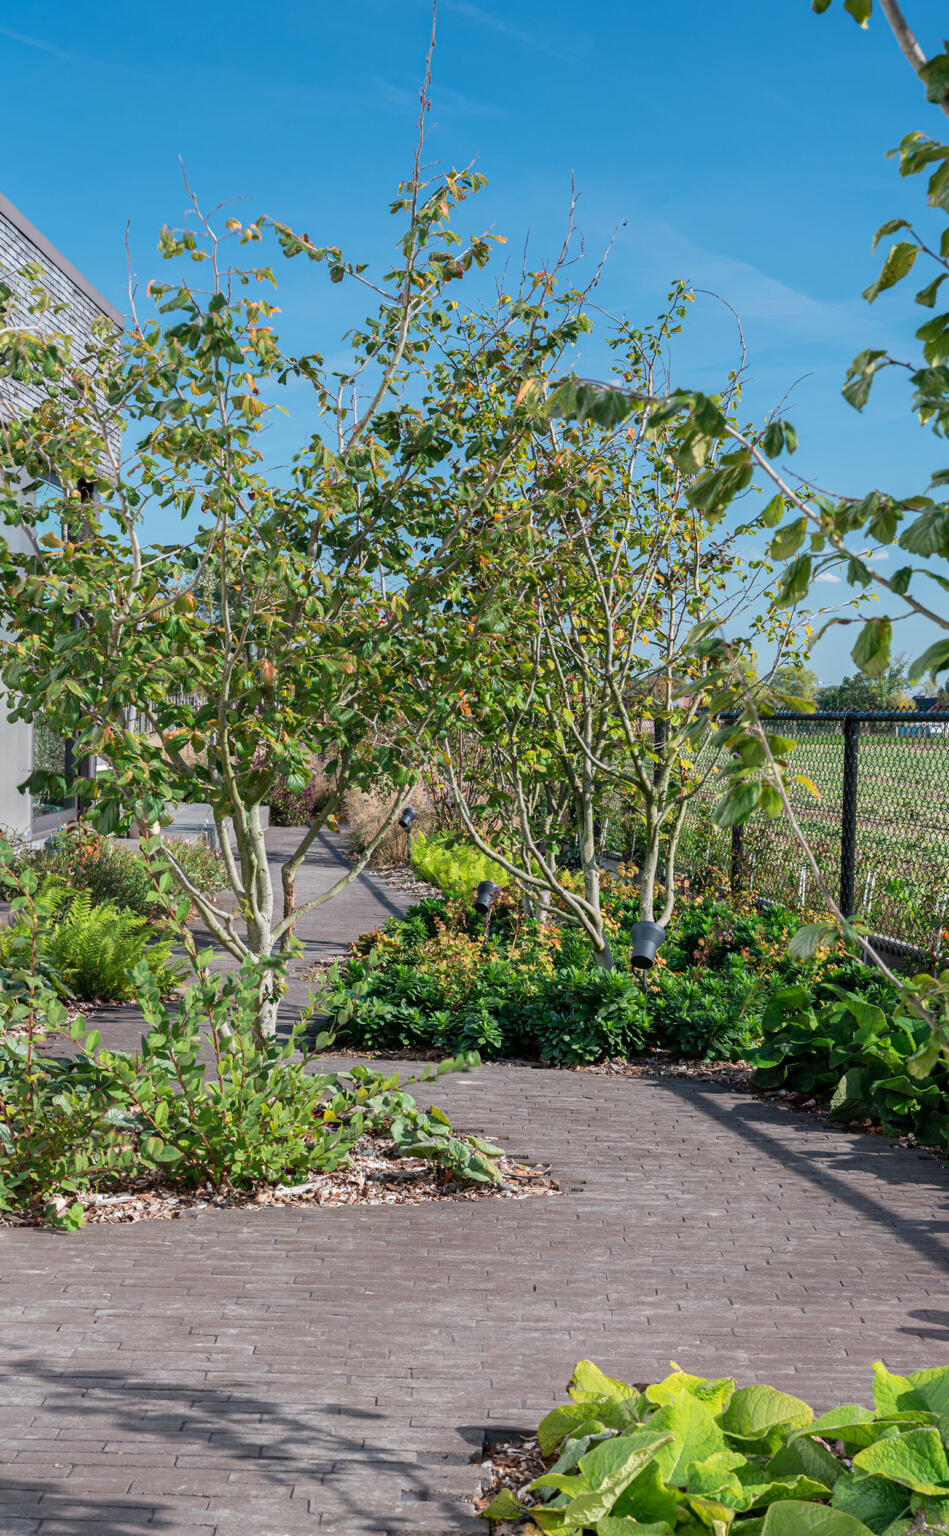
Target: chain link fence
{"points": [[879, 831], [878, 828]]}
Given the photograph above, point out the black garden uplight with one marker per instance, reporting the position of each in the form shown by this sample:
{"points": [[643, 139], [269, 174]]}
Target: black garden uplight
{"points": [[405, 822], [646, 940], [485, 897]]}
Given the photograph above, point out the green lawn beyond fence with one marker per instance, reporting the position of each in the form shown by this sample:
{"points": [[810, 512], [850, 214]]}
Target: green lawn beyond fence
{"points": [[900, 826]]}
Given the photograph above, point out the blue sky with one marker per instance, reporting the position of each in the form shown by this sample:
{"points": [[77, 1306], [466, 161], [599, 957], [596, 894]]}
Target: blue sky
{"points": [[740, 146]]}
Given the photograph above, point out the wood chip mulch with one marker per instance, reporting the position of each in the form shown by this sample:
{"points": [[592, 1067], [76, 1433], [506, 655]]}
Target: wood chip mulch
{"points": [[376, 1175], [513, 1463], [399, 877]]}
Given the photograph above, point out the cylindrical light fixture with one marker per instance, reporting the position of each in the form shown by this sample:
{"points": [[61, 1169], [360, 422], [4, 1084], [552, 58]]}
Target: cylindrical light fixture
{"points": [[485, 896], [646, 940]]}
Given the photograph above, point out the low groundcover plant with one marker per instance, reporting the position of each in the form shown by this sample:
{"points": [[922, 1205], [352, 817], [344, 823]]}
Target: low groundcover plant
{"points": [[200, 1103], [688, 1454], [726, 987]]}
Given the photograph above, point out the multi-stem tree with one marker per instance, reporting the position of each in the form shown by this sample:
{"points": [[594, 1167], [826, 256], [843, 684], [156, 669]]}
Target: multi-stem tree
{"points": [[307, 615], [603, 672]]}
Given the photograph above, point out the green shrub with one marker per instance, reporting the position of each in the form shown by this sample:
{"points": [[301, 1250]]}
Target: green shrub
{"points": [[581, 1015], [85, 860], [457, 868], [435, 981], [101, 1119], [93, 948], [29, 981], [708, 1014], [851, 1051], [687, 1454]]}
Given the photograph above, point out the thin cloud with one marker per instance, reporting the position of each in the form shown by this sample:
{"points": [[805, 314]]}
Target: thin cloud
{"points": [[443, 99], [755, 294], [64, 57], [37, 42], [484, 18]]}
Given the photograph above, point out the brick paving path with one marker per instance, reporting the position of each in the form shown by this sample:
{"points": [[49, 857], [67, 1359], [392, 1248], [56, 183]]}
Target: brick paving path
{"points": [[280, 1371]]}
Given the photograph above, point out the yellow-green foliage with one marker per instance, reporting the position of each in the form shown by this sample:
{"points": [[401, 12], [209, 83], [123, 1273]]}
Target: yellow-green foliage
{"points": [[456, 871]]}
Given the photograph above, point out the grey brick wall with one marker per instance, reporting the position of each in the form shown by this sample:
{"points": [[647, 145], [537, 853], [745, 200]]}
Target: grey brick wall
{"points": [[21, 244]]}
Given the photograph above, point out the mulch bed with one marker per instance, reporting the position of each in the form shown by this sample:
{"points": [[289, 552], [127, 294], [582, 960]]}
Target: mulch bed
{"points": [[376, 1175], [399, 877], [513, 1463]]}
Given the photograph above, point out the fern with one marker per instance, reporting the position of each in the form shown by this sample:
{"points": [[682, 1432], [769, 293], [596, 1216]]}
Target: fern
{"points": [[454, 870], [94, 947]]}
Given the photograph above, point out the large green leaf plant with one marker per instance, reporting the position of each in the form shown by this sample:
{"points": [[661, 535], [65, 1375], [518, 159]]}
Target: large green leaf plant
{"points": [[693, 1454]]}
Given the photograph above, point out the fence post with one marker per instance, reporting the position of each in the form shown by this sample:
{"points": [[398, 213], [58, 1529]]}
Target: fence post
{"points": [[738, 858], [848, 822]]}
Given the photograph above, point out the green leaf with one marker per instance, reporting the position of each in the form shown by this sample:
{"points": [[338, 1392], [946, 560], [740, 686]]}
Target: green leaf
{"points": [[872, 650], [504, 1506], [647, 1497], [930, 1388], [933, 661], [889, 228], [795, 584], [715, 1517], [737, 805], [695, 1436], [759, 1495], [560, 1422], [890, 1392], [874, 1500], [610, 1468], [848, 1094], [714, 489], [928, 534], [625, 1525], [589, 1385], [899, 260], [803, 1456], [714, 1394], [772, 514], [756, 1413], [860, 10], [927, 296], [935, 76], [809, 939], [860, 376], [916, 1460], [794, 1518], [106, 817], [788, 540]]}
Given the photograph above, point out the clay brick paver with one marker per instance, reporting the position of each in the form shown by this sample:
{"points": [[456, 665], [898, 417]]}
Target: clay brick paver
{"points": [[283, 1371]]}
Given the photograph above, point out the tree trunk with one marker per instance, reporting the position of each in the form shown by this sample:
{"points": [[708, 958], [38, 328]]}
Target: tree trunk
{"points": [[591, 869], [604, 957], [268, 1003]]}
